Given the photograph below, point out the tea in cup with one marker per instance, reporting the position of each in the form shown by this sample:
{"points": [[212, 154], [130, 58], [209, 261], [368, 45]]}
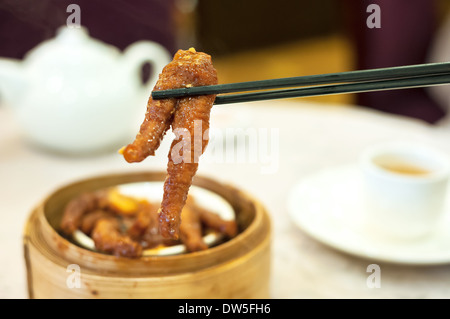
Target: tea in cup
{"points": [[405, 189]]}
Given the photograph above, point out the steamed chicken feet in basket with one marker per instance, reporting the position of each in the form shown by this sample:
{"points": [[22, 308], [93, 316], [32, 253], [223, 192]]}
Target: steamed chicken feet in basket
{"points": [[126, 226], [189, 118]]}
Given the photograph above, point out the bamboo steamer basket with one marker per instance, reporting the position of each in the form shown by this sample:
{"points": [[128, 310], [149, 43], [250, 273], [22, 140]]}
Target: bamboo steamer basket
{"points": [[238, 268]]}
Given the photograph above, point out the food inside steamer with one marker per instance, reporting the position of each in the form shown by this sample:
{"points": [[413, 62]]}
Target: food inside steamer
{"points": [[122, 222]]}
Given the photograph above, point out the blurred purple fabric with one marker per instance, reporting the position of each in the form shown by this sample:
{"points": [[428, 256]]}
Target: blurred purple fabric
{"points": [[25, 23], [407, 29]]}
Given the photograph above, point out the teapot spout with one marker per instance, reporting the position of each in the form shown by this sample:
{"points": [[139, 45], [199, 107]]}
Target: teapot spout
{"points": [[12, 81]]}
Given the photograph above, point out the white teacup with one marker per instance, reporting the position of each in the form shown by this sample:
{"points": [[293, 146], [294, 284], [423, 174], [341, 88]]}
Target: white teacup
{"points": [[405, 187]]}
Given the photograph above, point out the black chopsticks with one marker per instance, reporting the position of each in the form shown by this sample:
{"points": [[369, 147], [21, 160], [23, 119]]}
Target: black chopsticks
{"points": [[336, 89], [420, 75]]}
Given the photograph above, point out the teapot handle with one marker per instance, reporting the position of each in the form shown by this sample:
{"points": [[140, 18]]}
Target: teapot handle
{"points": [[142, 52]]}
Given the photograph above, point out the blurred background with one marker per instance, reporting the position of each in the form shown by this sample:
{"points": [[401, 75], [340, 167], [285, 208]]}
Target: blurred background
{"points": [[73, 107], [255, 39]]}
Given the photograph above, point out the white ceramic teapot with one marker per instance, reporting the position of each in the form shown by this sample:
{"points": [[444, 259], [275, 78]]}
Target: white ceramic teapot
{"points": [[75, 94]]}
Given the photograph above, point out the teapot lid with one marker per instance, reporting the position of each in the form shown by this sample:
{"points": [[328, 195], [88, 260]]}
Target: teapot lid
{"points": [[70, 43]]}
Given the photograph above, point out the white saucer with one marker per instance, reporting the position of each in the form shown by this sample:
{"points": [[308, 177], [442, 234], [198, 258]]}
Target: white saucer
{"points": [[153, 191], [327, 206]]}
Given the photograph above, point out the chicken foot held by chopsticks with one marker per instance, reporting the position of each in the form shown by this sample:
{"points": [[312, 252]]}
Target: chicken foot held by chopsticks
{"points": [[189, 118], [192, 117]]}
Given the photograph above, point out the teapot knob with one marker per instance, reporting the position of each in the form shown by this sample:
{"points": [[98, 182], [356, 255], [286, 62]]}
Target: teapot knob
{"points": [[72, 35]]}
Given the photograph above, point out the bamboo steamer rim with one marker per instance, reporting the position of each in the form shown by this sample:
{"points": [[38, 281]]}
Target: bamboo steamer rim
{"points": [[40, 233]]}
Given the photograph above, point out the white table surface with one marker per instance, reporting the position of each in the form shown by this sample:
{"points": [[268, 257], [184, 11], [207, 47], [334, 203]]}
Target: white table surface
{"points": [[311, 137]]}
